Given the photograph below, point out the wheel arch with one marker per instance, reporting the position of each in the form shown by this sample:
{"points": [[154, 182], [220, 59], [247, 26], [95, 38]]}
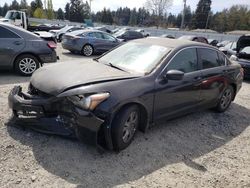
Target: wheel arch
{"points": [[235, 89], [25, 53], [144, 122]]}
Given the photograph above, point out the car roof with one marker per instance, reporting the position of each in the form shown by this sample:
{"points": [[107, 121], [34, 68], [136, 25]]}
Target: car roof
{"points": [[20, 31], [86, 31], [171, 43]]}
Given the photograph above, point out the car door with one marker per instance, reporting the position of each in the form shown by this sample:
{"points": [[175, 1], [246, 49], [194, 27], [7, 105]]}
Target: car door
{"points": [[177, 96], [10, 45], [96, 40], [110, 42], [213, 72]]}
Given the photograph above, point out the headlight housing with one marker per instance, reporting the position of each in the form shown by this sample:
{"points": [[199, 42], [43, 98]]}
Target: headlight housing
{"points": [[89, 102]]}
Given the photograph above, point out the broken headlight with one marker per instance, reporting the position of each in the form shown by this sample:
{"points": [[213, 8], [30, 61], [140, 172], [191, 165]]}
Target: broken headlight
{"points": [[89, 102]]}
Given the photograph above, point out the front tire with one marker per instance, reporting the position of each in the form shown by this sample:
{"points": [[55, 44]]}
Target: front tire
{"points": [[124, 127], [26, 64], [225, 100], [87, 50]]}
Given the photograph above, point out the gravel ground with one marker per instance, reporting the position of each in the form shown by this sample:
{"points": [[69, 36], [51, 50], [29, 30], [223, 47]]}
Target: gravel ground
{"points": [[204, 149]]}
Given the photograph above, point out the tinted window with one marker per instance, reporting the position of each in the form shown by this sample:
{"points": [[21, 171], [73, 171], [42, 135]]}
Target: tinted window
{"points": [[95, 35], [209, 58], [246, 50], [185, 61], [5, 33], [222, 59], [108, 37]]}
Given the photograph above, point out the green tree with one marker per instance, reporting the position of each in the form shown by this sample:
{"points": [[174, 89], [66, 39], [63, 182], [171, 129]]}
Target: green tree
{"points": [[50, 12], [60, 14], [133, 17], [15, 5], [38, 13], [39, 4], [201, 14], [67, 11], [5, 8], [78, 11], [23, 4]]}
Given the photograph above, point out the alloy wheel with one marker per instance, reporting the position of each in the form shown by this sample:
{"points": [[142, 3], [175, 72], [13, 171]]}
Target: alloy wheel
{"points": [[87, 50], [27, 65], [226, 98], [130, 126]]}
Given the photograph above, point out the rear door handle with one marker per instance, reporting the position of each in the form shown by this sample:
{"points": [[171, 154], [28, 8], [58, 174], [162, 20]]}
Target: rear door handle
{"points": [[197, 78], [17, 42]]}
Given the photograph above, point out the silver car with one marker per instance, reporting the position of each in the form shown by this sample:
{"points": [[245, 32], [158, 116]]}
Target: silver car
{"points": [[88, 42]]}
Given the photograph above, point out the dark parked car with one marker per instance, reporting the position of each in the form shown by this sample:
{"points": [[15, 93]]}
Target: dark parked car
{"points": [[127, 35], [67, 29], [223, 43], [194, 38], [229, 48], [89, 42], [168, 36], [24, 51], [106, 100], [213, 42], [243, 58], [235, 48]]}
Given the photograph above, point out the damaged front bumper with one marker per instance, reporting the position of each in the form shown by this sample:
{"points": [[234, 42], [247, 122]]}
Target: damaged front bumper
{"points": [[54, 115]]}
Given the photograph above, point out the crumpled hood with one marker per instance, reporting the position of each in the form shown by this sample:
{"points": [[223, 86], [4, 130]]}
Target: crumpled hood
{"points": [[56, 78]]}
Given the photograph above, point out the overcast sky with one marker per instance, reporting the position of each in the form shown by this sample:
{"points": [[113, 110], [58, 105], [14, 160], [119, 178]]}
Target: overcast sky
{"points": [[97, 5]]}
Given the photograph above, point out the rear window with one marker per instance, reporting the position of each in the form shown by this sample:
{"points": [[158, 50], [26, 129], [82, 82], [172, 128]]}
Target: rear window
{"points": [[209, 58], [5, 33]]}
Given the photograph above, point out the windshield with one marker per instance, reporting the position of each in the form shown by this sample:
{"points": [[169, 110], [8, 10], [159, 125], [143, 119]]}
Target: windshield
{"points": [[228, 46], [136, 57], [77, 32], [119, 33], [64, 29], [12, 15], [246, 50], [186, 37]]}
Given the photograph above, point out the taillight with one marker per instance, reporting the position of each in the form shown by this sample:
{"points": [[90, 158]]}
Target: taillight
{"points": [[51, 45]]}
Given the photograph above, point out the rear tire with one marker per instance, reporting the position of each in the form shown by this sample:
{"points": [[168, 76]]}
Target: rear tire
{"points": [[26, 64], [225, 100], [124, 127], [87, 50]]}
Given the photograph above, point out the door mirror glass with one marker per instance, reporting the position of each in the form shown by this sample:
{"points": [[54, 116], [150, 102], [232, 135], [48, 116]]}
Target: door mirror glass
{"points": [[174, 75]]}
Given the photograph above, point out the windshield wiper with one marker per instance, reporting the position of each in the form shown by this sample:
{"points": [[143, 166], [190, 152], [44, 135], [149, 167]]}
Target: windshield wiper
{"points": [[96, 59], [116, 67]]}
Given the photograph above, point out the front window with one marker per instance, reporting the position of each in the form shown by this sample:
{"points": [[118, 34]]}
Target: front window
{"points": [[136, 57], [185, 61]]}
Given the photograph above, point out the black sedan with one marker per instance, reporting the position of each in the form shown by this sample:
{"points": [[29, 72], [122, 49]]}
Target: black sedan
{"points": [[127, 35], [243, 58], [105, 101], [24, 51], [194, 38]]}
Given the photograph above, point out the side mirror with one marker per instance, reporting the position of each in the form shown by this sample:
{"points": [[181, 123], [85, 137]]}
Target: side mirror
{"points": [[233, 58], [174, 75]]}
